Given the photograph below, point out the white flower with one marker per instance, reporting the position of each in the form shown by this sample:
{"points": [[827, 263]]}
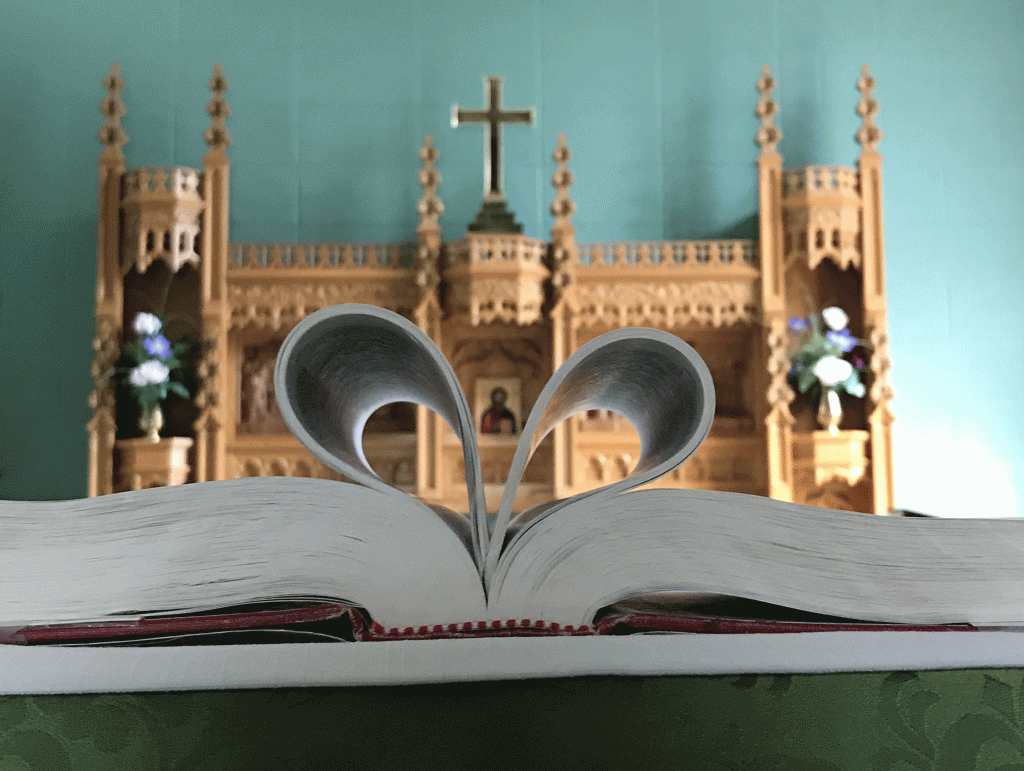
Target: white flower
{"points": [[149, 372], [831, 370], [146, 324], [836, 318]]}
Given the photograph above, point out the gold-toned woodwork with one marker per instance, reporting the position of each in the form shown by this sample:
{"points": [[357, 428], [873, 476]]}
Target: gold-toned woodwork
{"points": [[509, 307]]}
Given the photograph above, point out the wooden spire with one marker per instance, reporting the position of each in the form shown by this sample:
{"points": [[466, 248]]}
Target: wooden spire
{"points": [[881, 392], [774, 410], [102, 427], [768, 134]]}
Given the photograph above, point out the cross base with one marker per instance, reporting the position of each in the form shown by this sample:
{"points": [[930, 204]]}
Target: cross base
{"points": [[494, 217]]}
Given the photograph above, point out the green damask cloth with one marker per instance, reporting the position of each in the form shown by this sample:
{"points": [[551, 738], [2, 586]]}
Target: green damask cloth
{"points": [[948, 721]]}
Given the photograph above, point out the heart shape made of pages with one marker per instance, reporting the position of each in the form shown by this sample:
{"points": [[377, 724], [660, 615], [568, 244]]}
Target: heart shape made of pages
{"points": [[340, 364]]}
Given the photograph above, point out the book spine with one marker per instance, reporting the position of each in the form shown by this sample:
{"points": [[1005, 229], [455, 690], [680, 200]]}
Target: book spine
{"points": [[508, 628]]}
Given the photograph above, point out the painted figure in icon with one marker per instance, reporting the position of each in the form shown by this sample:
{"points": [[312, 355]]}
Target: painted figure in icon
{"points": [[498, 418]]}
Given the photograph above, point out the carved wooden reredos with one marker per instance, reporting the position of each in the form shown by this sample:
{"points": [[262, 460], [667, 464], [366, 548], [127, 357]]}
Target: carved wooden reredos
{"points": [[506, 309]]}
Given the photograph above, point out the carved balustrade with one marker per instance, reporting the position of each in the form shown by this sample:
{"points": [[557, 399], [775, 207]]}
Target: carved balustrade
{"points": [[665, 283], [274, 285]]}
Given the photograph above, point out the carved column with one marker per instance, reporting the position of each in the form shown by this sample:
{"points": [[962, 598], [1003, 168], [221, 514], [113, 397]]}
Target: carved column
{"points": [[214, 408], [102, 426], [428, 314], [564, 257], [880, 417], [774, 410]]}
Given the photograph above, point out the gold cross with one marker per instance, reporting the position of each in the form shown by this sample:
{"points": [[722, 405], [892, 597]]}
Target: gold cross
{"points": [[493, 116]]}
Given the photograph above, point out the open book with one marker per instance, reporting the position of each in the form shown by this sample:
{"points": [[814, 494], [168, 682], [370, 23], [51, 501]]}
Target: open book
{"points": [[186, 559]]}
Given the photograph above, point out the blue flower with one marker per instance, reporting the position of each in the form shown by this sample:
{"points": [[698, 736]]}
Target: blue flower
{"points": [[842, 340], [797, 324], [158, 346]]}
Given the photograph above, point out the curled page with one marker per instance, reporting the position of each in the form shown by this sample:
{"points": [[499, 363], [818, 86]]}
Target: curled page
{"points": [[340, 364], [651, 378]]}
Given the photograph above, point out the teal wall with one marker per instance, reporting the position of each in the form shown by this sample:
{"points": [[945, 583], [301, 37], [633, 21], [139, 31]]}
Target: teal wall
{"points": [[330, 102]]}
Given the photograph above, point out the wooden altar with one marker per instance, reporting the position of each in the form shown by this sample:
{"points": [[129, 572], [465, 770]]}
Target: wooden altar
{"points": [[506, 309]]}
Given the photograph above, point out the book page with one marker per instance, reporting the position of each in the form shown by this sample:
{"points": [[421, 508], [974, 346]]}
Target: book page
{"points": [[654, 380], [340, 364], [191, 548], [850, 565]]}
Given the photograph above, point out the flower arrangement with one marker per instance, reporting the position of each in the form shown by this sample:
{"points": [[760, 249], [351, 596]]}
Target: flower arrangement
{"points": [[153, 359], [825, 361]]}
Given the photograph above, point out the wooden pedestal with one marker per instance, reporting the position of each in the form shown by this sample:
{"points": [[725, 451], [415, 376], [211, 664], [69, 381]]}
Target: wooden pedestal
{"points": [[153, 464], [831, 470]]}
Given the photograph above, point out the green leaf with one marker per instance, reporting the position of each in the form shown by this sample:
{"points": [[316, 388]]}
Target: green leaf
{"points": [[806, 379], [179, 389]]}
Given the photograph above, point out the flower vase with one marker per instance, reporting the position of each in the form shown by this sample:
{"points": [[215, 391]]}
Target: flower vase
{"points": [[151, 421], [830, 410]]}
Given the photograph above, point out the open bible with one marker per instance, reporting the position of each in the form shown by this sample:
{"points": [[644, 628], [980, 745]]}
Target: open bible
{"points": [[218, 557]]}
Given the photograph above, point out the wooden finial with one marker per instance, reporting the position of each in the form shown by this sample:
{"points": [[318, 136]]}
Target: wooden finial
{"points": [[217, 136], [429, 229], [563, 234], [768, 135], [868, 135], [429, 206], [112, 135], [563, 207]]}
